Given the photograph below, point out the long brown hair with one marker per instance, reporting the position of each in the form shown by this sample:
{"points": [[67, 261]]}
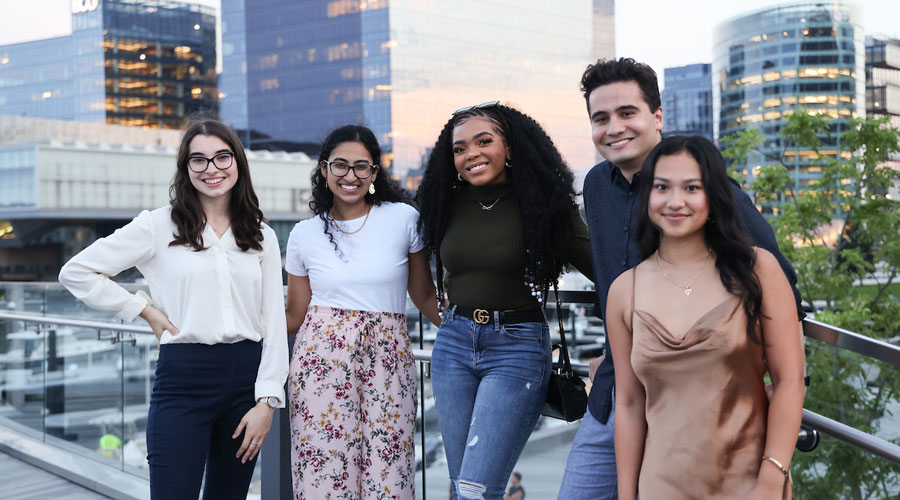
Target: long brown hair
{"points": [[243, 207]]}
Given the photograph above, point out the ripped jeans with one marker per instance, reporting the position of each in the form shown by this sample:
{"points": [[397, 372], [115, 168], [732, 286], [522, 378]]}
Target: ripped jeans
{"points": [[490, 383]]}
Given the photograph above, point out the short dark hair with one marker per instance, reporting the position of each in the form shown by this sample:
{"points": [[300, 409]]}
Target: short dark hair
{"points": [[625, 69], [518, 475]]}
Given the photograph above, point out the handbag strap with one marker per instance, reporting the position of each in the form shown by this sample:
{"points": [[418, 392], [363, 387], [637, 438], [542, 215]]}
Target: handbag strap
{"points": [[565, 365]]}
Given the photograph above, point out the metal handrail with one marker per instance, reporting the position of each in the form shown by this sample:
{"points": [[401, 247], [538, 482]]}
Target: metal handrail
{"points": [[820, 331]]}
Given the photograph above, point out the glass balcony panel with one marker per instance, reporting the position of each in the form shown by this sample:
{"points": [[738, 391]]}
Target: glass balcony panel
{"points": [[22, 375], [83, 392]]}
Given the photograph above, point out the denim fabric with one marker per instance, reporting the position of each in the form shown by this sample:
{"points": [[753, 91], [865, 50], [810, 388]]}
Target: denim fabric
{"points": [[200, 394], [490, 383], [591, 466]]}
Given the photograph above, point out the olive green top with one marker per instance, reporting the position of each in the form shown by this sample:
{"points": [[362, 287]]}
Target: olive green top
{"points": [[483, 251]]}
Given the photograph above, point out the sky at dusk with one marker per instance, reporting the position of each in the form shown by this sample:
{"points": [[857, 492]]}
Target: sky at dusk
{"points": [[661, 33]]}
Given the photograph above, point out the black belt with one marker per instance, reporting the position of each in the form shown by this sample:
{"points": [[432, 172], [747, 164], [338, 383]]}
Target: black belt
{"points": [[485, 316]]}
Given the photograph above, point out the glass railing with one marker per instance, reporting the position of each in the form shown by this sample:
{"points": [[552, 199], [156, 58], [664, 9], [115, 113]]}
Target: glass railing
{"points": [[70, 377]]}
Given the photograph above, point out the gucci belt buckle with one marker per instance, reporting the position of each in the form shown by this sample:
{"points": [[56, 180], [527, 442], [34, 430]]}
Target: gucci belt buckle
{"points": [[481, 316]]}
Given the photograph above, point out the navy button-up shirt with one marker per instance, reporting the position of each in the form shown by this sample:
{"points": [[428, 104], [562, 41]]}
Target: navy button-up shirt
{"points": [[610, 202]]}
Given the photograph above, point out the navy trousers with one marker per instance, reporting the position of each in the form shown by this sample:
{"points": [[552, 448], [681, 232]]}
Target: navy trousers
{"points": [[200, 394]]}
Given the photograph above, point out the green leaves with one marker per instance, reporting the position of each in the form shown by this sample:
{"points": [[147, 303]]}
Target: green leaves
{"points": [[839, 231]]}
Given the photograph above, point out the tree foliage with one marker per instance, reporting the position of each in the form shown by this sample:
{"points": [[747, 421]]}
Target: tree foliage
{"points": [[839, 231]]}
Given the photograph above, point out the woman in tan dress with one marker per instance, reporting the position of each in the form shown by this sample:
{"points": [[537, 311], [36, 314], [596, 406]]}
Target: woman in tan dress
{"points": [[693, 329]]}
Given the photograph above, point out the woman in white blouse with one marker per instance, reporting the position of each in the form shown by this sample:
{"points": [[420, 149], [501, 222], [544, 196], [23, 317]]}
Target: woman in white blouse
{"points": [[214, 271], [352, 380]]}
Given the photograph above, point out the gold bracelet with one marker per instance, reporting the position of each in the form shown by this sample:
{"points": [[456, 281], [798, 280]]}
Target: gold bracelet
{"points": [[777, 464]]}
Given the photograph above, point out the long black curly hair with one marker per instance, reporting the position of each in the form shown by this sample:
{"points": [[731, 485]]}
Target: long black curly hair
{"points": [[724, 233], [386, 189], [243, 207], [543, 190]]}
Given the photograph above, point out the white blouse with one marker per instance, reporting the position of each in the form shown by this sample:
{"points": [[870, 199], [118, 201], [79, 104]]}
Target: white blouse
{"points": [[220, 295]]}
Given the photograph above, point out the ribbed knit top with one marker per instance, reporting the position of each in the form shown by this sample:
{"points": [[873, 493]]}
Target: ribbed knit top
{"points": [[483, 251]]}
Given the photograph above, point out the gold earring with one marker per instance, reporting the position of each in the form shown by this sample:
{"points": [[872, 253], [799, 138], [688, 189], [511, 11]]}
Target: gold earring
{"points": [[372, 188]]}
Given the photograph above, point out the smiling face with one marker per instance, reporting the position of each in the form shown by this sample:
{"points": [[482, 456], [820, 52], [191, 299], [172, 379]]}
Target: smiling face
{"points": [[349, 191], [212, 183], [480, 152], [623, 127], [678, 205]]}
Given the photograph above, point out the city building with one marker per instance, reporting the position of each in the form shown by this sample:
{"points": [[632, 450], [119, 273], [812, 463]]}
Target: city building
{"points": [[687, 100], [145, 63], [292, 71], [778, 60], [62, 188], [883, 86]]}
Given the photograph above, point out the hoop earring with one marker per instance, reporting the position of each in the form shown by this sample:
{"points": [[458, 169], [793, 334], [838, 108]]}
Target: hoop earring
{"points": [[458, 177], [372, 188]]}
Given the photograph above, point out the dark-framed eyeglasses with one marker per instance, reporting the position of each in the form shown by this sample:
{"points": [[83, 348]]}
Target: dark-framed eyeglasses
{"points": [[489, 104], [221, 161], [341, 169]]}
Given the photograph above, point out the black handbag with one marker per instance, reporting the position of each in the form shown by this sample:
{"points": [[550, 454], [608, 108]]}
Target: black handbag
{"points": [[566, 395]]}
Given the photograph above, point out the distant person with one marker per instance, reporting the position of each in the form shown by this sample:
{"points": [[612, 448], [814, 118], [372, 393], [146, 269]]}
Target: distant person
{"points": [[626, 117], [352, 376], [515, 491], [214, 271], [693, 330], [498, 212]]}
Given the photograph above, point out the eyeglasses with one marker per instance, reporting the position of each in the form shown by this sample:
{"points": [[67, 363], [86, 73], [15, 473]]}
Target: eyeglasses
{"points": [[221, 161], [489, 104], [341, 169]]}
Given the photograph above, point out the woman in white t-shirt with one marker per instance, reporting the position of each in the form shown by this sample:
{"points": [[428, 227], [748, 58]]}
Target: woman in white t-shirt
{"points": [[214, 271], [352, 379]]}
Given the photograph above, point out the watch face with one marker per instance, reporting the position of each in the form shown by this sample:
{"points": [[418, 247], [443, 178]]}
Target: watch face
{"points": [[272, 401]]}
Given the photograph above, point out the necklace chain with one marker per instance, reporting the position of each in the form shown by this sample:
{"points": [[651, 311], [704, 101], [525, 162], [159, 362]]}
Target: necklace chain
{"points": [[488, 207], [339, 228], [687, 289]]}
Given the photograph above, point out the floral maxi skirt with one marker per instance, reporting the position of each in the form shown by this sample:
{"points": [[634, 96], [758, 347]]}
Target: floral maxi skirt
{"points": [[352, 388]]}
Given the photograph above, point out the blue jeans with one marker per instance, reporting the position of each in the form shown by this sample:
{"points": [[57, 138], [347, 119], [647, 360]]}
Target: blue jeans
{"points": [[490, 383], [591, 467]]}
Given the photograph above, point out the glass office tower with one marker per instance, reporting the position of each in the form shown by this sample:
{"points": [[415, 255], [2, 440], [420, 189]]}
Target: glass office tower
{"points": [[143, 63], [687, 100], [773, 61], [883, 88], [402, 67]]}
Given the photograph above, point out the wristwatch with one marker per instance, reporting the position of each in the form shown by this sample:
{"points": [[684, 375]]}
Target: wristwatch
{"points": [[272, 401]]}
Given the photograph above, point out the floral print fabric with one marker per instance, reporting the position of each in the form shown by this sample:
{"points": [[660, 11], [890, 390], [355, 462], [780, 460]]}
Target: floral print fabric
{"points": [[352, 387]]}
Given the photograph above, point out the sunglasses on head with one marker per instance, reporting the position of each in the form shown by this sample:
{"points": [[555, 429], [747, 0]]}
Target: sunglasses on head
{"points": [[489, 104]]}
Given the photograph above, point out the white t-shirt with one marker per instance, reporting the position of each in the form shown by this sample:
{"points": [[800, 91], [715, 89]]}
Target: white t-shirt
{"points": [[369, 270]]}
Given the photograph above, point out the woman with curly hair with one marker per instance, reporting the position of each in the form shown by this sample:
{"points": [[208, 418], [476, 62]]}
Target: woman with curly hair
{"points": [[352, 376], [693, 329], [497, 211], [214, 271]]}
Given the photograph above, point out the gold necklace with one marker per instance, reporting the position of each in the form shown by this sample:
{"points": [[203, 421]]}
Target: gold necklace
{"points": [[338, 227], [688, 290]]}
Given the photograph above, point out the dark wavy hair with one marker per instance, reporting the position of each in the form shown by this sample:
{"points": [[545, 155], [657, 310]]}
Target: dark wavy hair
{"points": [[625, 69], [386, 189], [542, 183], [724, 233], [243, 207]]}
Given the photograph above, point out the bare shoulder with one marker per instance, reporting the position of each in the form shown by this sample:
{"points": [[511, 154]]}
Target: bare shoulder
{"points": [[765, 261], [621, 288]]}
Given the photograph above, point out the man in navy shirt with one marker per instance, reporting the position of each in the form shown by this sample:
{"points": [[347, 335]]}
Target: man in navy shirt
{"points": [[626, 119]]}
